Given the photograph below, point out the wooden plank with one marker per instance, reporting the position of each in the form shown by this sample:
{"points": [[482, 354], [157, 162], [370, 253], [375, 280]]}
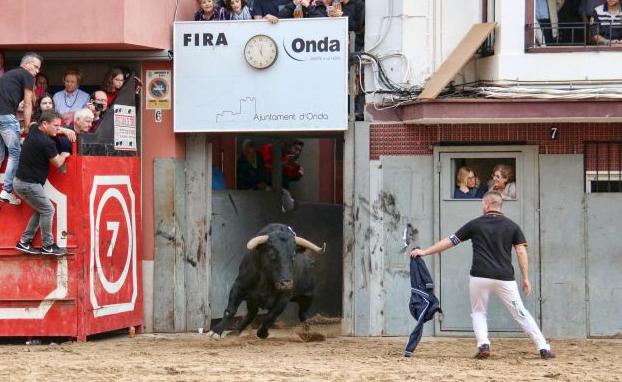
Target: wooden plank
{"points": [[164, 246], [196, 274], [180, 233], [456, 60], [347, 326]]}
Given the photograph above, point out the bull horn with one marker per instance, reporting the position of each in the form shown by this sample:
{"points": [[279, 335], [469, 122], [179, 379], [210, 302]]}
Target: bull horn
{"points": [[307, 244], [254, 242]]}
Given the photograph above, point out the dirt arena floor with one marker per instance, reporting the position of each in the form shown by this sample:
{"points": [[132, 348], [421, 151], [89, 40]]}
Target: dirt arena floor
{"points": [[284, 357]]}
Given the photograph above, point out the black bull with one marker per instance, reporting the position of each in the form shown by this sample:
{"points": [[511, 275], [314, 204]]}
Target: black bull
{"points": [[271, 274]]}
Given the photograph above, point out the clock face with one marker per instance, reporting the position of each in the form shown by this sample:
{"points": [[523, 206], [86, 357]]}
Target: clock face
{"points": [[260, 51]]}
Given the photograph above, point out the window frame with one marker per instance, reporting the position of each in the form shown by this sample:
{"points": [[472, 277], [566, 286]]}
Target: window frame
{"points": [[594, 175], [530, 10]]}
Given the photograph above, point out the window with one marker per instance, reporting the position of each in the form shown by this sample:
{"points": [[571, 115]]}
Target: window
{"points": [[603, 166], [558, 24], [473, 177]]}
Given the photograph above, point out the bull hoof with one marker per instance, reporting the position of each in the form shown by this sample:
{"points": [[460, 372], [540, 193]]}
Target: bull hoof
{"points": [[234, 333], [262, 333], [215, 335]]}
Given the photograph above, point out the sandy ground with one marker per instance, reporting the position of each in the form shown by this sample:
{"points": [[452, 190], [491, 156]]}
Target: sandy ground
{"points": [[284, 357]]}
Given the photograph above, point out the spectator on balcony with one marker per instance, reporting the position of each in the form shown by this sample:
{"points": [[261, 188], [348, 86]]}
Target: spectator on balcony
{"points": [[354, 10], [308, 10], [2, 63], [209, 11], [113, 82], [238, 10], [16, 85], [41, 85], [544, 10], [45, 102], [82, 122], [269, 9], [98, 105], [72, 98], [586, 9], [38, 153], [607, 23]]}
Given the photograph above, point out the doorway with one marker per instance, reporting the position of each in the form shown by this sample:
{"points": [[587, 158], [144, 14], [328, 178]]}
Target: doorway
{"points": [[452, 212]]}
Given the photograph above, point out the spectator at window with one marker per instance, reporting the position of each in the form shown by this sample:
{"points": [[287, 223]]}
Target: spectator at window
{"points": [[72, 98], [98, 105], [269, 9], [38, 153], [41, 85], [16, 85], [113, 82], [2, 63], [467, 186], [607, 23], [250, 168], [354, 10], [209, 11], [237, 10], [503, 181]]}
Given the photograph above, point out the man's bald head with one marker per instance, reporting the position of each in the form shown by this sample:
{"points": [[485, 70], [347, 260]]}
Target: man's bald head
{"points": [[492, 201]]}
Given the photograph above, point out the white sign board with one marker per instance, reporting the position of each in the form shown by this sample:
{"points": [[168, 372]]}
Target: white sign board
{"points": [[303, 86], [124, 127]]}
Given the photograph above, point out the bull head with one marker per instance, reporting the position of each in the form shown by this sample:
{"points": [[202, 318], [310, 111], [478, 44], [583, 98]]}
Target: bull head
{"points": [[262, 239]]}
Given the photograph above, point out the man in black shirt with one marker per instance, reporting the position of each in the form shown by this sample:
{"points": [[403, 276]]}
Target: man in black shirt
{"points": [[34, 163], [16, 86], [493, 236]]}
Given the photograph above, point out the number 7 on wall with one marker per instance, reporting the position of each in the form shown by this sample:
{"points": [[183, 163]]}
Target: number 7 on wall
{"points": [[114, 227]]}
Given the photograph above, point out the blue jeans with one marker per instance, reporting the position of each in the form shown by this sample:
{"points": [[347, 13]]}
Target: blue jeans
{"points": [[9, 131], [34, 195]]}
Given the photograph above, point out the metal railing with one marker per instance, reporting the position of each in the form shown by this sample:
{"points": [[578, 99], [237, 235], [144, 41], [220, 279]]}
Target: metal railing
{"points": [[573, 34]]}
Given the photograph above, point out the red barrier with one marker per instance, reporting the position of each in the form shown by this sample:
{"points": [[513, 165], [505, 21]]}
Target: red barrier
{"points": [[97, 287]]}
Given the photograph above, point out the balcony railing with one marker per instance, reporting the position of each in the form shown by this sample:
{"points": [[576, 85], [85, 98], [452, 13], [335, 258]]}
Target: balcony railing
{"points": [[575, 34]]}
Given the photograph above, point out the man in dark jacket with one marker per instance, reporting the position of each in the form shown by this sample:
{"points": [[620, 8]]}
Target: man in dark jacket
{"points": [[493, 236]]}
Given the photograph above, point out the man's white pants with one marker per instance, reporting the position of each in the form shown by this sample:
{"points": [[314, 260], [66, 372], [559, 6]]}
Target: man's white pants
{"points": [[480, 289]]}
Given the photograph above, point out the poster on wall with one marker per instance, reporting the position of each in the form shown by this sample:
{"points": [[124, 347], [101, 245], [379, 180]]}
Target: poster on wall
{"points": [[125, 128], [253, 76], [158, 89]]}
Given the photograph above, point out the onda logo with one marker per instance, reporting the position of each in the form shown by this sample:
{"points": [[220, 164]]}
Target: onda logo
{"points": [[301, 46]]}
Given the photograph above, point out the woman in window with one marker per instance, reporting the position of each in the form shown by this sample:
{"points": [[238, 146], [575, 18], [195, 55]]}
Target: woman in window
{"points": [[503, 181], [466, 184]]}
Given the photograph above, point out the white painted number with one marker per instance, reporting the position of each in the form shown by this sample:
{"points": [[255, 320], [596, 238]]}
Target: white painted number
{"points": [[553, 132], [114, 227]]}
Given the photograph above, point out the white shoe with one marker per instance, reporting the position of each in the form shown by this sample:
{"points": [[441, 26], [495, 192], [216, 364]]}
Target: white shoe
{"points": [[9, 197]]}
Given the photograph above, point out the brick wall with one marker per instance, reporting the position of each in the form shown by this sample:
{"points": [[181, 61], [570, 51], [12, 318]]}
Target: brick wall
{"points": [[399, 139]]}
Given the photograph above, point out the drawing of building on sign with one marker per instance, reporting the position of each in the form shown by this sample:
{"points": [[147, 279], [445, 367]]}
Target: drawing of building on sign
{"points": [[245, 112]]}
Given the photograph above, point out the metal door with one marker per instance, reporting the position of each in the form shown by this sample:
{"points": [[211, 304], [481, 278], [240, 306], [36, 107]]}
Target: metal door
{"points": [[455, 264], [603, 227]]}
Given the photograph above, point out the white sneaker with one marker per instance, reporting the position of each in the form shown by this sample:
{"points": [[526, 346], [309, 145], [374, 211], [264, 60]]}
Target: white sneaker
{"points": [[9, 197]]}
